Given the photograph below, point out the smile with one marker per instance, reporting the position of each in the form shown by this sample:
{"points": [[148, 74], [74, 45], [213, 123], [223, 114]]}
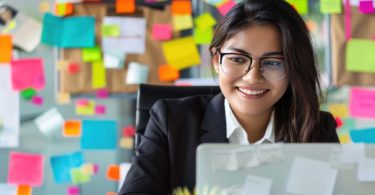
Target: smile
{"points": [[252, 92]]}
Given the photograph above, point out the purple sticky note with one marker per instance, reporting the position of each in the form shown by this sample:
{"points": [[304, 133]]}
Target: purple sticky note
{"points": [[27, 73], [362, 103], [102, 93], [162, 31], [366, 7], [37, 100], [73, 190], [100, 109], [224, 8], [25, 169]]}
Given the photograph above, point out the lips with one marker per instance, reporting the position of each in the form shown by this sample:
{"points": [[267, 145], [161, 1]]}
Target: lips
{"points": [[254, 92]]}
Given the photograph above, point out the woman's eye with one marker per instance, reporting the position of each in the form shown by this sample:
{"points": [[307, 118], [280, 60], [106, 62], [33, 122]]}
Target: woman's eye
{"points": [[238, 60], [272, 63]]}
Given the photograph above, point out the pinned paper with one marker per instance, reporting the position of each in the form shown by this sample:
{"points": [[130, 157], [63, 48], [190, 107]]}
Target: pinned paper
{"points": [[98, 75], [113, 172], [37, 100], [112, 60], [73, 68], [24, 190], [168, 73], [162, 32], [85, 107], [125, 6], [8, 189], [100, 109], [360, 55], [127, 143], [137, 73], [300, 5], [205, 20], [366, 6], [331, 6], [50, 121], [363, 135], [73, 190], [62, 164], [361, 103], [64, 9], [92, 54], [99, 134], [72, 128], [27, 73], [182, 22], [78, 176], [181, 60], [25, 169], [257, 185], [203, 36], [225, 7], [110, 30], [181, 7], [366, 170], [124, 169], [338, 110], [5, 48], [102, 93], [27, 94]]}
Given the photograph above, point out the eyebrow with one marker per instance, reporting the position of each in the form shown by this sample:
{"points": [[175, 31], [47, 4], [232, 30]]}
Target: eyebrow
{"points": [[273, 53]]}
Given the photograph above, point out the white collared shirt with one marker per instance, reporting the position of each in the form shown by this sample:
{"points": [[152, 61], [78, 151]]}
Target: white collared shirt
{"points": [[237, 134]]}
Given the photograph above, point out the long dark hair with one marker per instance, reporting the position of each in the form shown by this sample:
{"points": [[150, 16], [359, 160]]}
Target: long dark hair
{"points": [[297, 112]]}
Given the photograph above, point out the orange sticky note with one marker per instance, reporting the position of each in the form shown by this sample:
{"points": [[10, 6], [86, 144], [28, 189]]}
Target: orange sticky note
{"points": [[24, 190], [113, 172], [72, 128], [181, 7], [125, 6], [111, 193], [64, 9], [168, 73], [5, 48]]}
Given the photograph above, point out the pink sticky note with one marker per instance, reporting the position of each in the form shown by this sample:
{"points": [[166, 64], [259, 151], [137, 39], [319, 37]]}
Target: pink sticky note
{"points": [[362, 103], [96, 168], [366, 7], [347, 20], [100, 109], [27, 73], [82, 102], [37, 100], [25, 169], [102, 93], [162, 31], [73, 190], [224, 8]]}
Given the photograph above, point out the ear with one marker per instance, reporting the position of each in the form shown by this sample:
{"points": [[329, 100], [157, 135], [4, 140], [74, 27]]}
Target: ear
{"points": [[215, 60]]}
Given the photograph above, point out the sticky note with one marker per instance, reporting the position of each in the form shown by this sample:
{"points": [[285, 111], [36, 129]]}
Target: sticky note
{"points": [[363, 135], [27, 94], [98, 75], [168, 73], [82, 102], [113, 172], [100, 109], [73, 190], [203, 36], [71, 32], [360, 55], [366, 6], [91, 54], [64, 9], [88, 168], [339, 122], [331, 6], [8, 189], [181, 7], [127, 143], [361, 103], [257, 185], [215, 2], [339, 109], [73, 68], [24, 190], [113, 60], [5, 48], [366, 170], [125, 6], [128, 131], [182, 22], [27, 73], [99, 134], [78, 176], [25, 169], [63, 98], [102, 93], [62, 164], [37, 100], [44, 6], [137, 73], [161, 32], [180, 60], [111, 193], [72, 128], [205, 20], [344, 139], [50, 121], [225, 7], [110, 30], [85, 109]]}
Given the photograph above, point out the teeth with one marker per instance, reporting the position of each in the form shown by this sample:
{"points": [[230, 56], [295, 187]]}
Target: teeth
{"points": [[249, 92]]}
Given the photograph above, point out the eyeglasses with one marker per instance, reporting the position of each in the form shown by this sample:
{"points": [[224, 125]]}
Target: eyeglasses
{"points": [[237, 65]]}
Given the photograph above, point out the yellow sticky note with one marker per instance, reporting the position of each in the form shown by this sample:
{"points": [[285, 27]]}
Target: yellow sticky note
{"points": [[300, 5], [98, 76], [182, 22], [127, 142], [88, 169], [88, 109], [205, 20], [344, 139], [91, 54], [110, 30], [181, 53], [339, 110], [63, 98], [331, 6], [203, 36]]}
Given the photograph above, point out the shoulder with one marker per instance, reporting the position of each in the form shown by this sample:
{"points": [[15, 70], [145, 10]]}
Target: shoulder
{"points": [[328, 125]]}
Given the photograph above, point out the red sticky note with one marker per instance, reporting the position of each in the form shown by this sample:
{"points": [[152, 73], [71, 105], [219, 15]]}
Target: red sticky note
{"points": [[37, 100], [5, 48], [102, 93], [339, 122], [125, 6], [162, 32], [100, 109], [73, 68], [224, 8], [24, 190], [168, 73], [113, 172], [181, 7], [27, 73], [25, 169], [128, 131]]}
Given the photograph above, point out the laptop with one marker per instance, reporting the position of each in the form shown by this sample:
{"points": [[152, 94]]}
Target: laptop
{"points": [[286, 169]]}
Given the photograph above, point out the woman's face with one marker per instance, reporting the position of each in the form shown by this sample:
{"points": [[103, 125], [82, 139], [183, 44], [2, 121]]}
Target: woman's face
{"points": [[252, 94]]}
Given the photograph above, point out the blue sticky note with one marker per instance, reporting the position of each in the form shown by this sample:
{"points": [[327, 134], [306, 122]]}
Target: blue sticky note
{"points": [[363, 135], [99, 134], [72, 32], [62, 164]]}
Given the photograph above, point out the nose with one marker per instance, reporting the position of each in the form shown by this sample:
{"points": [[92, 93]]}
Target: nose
{"points": [[254, 75]]}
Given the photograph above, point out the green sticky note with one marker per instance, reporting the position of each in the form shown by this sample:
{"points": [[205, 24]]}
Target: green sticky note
{"points": [[330, 6], [91, 54], [78, 176], [98, 76], [110, 30], [360, 55], [300, 5], [27, 94], [205, 20], [203, 36]]}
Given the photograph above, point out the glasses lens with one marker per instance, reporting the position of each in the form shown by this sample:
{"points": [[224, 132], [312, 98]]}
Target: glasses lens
{"points": [[272, 68], [235, 64]]}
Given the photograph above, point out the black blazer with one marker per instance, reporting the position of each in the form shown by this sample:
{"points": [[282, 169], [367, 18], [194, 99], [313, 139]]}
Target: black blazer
{"points": [[167, 152]]}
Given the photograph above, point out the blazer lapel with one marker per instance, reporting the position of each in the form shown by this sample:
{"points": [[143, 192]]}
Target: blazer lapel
{"points": [[214, 124]]}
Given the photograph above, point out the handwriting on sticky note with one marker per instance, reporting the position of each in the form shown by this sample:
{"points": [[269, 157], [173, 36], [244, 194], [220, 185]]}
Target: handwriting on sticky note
{"points": [[26, 169], [99, 134], [360, 55], [5, 48], [27, 73], [331, 6], [361, 103]]}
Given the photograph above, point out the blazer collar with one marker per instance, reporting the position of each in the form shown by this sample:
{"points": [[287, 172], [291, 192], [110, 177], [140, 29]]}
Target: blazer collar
{"points": [[213, 124]]}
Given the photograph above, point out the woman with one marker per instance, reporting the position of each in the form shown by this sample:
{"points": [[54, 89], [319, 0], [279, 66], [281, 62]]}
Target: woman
{"points": [[270, 87]]}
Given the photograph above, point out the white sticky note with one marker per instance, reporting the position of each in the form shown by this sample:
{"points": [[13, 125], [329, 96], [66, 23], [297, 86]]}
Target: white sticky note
{"points": [[246, 158], [124, 169], [257, 185], [224, 160], [113, 60], [311, 177], [137, 73], [366, 170], [50, 121], [8, 189], [352, 153], [270, 153]]}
